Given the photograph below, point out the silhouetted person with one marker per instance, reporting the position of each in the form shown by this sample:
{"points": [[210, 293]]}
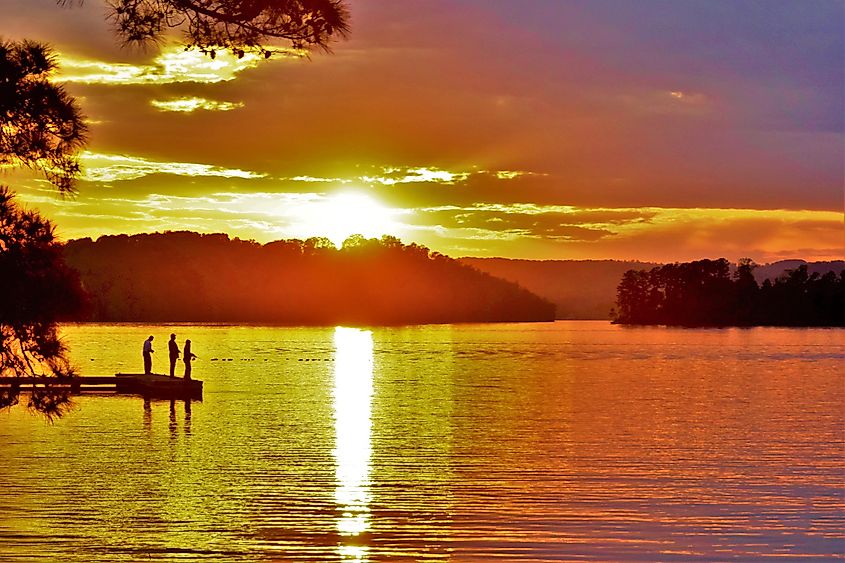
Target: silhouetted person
{"points": [[174, 354], [187, 357], [148, 356]]}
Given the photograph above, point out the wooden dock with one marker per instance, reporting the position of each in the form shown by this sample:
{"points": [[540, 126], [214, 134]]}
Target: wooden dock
{"points": [[153, 385]]}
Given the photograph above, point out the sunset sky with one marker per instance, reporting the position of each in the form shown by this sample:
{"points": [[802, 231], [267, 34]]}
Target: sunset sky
{"points": [[653, 130]]}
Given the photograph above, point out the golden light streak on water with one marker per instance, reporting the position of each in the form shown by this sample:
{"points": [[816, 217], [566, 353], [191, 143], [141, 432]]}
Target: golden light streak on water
{"points": [[352, 394]]}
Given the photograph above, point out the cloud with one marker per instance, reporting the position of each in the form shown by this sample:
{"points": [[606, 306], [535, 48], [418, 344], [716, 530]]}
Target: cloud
{"points": [[650, 233], [115, 168], [261, 216], [390, 176], [188, 105], [172, 65], [531, 221], [594, 105], [511, 174], [318, 180], [393, 176], [523, 230], [396, 175]]}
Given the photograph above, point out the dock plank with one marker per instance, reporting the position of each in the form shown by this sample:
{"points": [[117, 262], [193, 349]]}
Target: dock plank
{"points": [[153, 385]]}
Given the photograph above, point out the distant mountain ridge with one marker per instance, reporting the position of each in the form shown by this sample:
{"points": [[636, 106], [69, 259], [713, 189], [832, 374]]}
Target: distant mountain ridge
{"points": [[586, 289], [777, 269]]}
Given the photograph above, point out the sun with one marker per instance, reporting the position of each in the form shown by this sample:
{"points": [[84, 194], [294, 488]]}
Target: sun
{"points": [[341, 215]]}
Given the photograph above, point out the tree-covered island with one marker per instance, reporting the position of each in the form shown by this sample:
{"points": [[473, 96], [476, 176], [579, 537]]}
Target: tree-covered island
{"points": [[706, 293]]}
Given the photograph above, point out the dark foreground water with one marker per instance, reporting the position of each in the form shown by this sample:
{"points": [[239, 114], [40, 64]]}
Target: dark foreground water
{"points": [[564, 441]]}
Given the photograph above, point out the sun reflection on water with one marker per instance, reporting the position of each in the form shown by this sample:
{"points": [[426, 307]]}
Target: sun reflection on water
{"points": [[353, 390]]}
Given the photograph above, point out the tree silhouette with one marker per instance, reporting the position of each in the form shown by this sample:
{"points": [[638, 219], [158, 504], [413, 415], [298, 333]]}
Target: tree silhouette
{"points": [[703, 293], [41, 126], [746, 292], [38, 289], [238, 25]]}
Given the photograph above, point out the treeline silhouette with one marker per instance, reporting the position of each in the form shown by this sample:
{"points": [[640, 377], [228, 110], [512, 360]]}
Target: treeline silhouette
{"points": [[704, 293], [186, 276]]}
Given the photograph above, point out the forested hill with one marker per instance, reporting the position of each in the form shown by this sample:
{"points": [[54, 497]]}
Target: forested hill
{"points": [[186, 276]]}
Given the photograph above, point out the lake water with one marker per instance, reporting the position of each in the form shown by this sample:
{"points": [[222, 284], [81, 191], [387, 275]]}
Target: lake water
{"points": [[540, 442]]}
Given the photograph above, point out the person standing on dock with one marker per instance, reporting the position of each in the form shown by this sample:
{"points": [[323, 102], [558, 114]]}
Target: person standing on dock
{"points": [[174, 354], [148, 356], [187, 357]]}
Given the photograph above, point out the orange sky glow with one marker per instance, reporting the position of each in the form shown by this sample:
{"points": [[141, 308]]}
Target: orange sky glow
{"points": [[542, 130]]}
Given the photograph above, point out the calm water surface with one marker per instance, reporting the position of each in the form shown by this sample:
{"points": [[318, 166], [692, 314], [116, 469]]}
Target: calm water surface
{"points": [[540, 442]]}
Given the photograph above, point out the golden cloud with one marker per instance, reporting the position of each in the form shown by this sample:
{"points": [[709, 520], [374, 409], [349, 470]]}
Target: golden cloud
{"points": [[390, 176], [316, 179], [262, 216], [394, 175], [114, 168], [522, 230], [188, 105], [173, 64]]}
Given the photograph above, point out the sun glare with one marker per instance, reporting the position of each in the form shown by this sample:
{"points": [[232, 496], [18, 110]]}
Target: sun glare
{"points": [[342, 215]]}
